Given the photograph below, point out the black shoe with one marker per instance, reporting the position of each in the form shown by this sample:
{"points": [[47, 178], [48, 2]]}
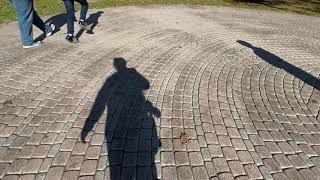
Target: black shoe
{"points": [[72, 39], [84, 25]]}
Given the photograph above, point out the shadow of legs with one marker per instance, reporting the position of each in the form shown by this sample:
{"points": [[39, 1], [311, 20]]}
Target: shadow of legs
{"points": [[58, 20]]}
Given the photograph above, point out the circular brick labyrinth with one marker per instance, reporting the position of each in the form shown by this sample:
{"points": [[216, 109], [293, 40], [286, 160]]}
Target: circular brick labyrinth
{"points": [[168, 92]]}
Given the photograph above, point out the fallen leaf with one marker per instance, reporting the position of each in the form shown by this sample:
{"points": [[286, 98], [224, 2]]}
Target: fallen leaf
{"points": [[185, 138], [8, 102]]}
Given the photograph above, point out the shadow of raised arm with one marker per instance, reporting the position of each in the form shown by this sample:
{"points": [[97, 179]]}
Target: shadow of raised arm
{"points": [[98, 108]]}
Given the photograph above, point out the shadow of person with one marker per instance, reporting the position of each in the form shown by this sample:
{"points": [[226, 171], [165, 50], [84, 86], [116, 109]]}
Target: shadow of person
{"points": [[93, 20], [131, 134], [58, 20], [282, 64]]}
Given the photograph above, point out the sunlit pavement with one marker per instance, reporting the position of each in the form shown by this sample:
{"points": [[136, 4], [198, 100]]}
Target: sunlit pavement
{"points": [[164, 92]]}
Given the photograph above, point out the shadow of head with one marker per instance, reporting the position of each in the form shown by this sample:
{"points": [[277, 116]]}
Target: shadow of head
{"points": [[244, 43], [136, 79], [119, 64]]}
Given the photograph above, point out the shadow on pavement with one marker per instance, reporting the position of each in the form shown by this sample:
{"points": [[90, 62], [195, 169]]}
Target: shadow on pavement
{"points": [[282, 64], [93, 20], [58, 20], [130, 132]]}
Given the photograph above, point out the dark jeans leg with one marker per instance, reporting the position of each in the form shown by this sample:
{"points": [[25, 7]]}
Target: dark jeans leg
{"points": [[69, 4], [84, 9], [24, 9], [37, 21]]}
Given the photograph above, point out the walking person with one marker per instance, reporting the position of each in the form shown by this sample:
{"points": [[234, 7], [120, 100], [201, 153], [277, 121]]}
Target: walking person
{"points": [[26, 17], [69, 4]]}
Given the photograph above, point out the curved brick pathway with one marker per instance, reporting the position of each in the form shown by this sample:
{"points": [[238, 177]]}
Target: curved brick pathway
{"points": [[239, 87]]}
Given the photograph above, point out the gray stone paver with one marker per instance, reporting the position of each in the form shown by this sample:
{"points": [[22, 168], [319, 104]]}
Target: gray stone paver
{"points": [[17, 166], [32, 166], [246, 112]]}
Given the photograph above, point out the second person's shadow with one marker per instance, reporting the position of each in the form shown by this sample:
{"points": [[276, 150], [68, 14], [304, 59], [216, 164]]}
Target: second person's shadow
{"points": [[93, 20], [130, 133]]}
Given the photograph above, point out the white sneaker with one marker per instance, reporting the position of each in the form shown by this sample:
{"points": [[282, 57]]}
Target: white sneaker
{"points": [[33, 45]]}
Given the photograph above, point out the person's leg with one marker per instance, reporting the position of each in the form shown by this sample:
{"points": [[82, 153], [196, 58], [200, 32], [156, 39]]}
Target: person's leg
{"points": [[83, 13], [25, 17], [37, 21], [84, 9], [46, 28], [69, 4]]}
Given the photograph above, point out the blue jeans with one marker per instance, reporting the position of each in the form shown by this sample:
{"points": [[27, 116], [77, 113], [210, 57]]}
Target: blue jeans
{"points": [[69, 4], [26, 17]]}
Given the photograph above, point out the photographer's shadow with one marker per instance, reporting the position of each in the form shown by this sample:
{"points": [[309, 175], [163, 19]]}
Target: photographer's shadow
{"points": [[131, 134]]}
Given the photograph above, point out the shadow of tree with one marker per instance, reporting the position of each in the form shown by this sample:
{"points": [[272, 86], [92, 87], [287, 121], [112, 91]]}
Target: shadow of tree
{"points": [[130, 133], [282, 64], [264, 2]]}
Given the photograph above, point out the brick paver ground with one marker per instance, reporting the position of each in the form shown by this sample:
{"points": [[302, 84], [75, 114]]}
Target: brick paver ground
{"points": [[168, 92]]}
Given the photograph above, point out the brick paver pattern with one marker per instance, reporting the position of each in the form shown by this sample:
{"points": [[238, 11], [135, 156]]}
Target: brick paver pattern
{"points": [[164, 92]]}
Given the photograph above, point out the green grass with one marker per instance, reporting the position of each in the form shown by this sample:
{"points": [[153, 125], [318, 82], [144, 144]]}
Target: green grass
{"points": [[50, 7]]}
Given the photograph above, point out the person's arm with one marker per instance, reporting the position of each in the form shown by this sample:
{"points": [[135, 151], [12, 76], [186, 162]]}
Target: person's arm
{"points": [[96, 111]]}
